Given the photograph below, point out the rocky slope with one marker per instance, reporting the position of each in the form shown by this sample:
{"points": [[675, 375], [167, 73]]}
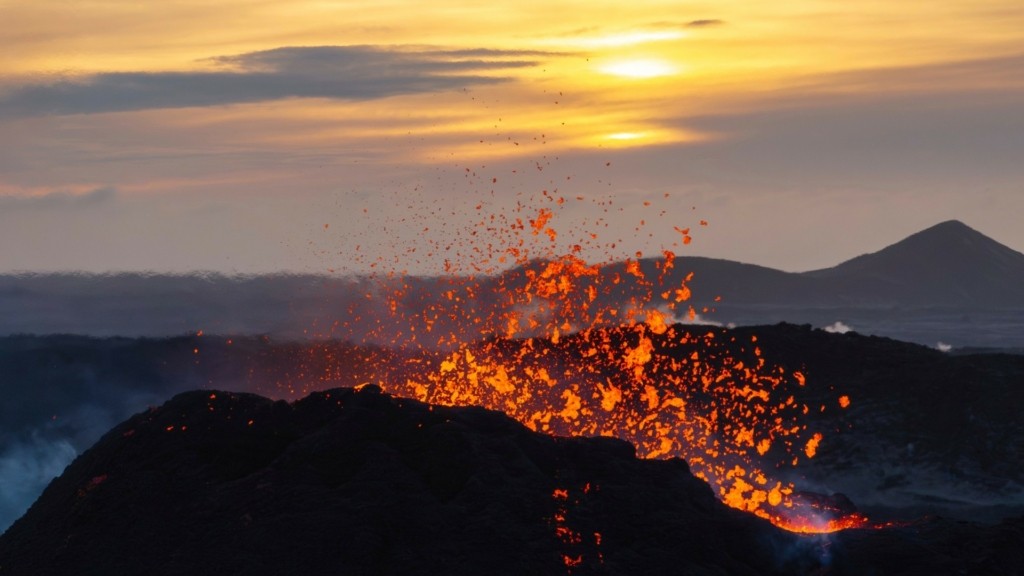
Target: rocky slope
{"points": [[358, 482], [362, 483], [925, 432]]}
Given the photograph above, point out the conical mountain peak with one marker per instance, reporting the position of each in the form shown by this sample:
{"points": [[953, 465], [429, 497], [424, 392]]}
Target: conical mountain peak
{"points": [[946, 264]]}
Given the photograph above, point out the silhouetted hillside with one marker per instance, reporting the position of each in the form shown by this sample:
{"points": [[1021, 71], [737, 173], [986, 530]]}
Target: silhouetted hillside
{"points": [[949, 264], [357, 482], [169, 305], [925, 432], [62, 392], [946, 284], [361, 483]]}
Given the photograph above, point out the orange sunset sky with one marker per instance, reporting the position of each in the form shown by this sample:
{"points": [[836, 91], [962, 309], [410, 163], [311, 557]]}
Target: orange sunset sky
{"points": [[223, 136]]}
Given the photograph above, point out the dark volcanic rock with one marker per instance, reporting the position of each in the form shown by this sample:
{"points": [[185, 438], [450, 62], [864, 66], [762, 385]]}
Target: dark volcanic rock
{"points": [[925, 432], [358, 482], [926, 548]]}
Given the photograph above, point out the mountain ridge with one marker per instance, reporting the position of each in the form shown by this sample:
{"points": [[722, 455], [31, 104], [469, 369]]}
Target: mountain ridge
{"points": [[946, 283], [969, 266]]}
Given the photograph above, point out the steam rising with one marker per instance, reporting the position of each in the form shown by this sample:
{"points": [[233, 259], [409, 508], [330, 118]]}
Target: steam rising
{"points": [[26, 467], [838, 327]]}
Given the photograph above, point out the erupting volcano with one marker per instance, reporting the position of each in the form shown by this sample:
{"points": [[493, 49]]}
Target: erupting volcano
{"points": [[574, 348], [546, 414], [671, 393]]}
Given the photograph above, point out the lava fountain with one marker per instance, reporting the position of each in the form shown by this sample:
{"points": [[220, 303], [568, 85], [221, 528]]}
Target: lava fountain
{"points": [[568, 347]]}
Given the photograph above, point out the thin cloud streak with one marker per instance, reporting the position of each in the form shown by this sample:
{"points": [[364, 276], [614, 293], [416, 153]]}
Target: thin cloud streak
{"points": [[950, 76], [334, 72], [58, 200], [704, 23]]}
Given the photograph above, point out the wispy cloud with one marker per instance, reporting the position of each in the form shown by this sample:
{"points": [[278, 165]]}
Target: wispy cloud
{"points": [[339, 72], [961, 119], [57, 200], [704, 23], [699, 23], [1004, 71]]}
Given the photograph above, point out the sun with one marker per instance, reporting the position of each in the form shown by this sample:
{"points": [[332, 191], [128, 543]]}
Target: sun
{"points": [[639, 68], [625, 136]]}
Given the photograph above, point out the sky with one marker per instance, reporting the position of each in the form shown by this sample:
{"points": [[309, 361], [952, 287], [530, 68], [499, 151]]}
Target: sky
{"points": [[317, 136]]}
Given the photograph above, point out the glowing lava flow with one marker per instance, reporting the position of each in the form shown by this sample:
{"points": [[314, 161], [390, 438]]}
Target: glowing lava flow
{"points": [[593, 350]]}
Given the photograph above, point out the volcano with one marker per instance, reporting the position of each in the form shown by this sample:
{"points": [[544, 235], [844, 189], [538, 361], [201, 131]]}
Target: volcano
{"points": [[948, 283], [570, 348], [949, 264], [355, 481], [923, 432]]}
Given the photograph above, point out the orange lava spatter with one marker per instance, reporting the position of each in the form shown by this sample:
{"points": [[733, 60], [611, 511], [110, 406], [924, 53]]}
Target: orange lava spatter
{"points": [[570, 347], [673, 394]]}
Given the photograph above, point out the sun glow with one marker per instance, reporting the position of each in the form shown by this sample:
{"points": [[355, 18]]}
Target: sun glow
{"points": [[639, 68], [619, 135]]}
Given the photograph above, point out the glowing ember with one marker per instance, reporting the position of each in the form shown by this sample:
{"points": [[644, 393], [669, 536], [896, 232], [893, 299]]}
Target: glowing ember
{"points": [[573, 348], [673, 394], [576, 546]]}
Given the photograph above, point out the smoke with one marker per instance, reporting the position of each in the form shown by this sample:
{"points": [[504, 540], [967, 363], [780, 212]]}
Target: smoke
{"points": [[943, 347], [675, 317], [806, 554], [699, 320], [63, 392], [36, 456], [838, 327], [26, 468]]}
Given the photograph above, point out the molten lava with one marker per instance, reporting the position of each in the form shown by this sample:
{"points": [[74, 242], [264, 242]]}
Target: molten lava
{"points": [[573, 348], [674, 393]]}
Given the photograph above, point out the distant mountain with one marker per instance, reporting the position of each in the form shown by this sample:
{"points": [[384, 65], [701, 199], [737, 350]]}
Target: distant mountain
{"points": [[138, 304], [948, 283], [949, 264]]}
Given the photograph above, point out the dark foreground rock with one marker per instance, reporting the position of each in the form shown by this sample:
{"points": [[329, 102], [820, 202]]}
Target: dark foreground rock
{"points": [[930, 546], [358, 482], [347, 482]]}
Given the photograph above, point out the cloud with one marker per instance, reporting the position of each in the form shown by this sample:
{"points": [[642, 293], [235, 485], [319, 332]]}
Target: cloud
{"points": [[924, 127], [956, 75], [57, 200], [704, 23], [339, 72]]}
